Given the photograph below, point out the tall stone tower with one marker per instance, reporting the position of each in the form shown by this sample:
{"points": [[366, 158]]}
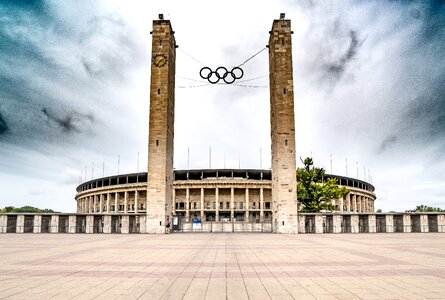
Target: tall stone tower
{"points": [[282, 126], [161, 127]]}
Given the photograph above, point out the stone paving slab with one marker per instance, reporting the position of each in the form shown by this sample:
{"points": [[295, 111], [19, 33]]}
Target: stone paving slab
{"points": [[222, 266]]}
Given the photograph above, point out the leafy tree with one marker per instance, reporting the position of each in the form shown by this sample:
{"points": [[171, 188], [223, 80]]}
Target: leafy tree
{"points": [[314, 191], [25, 209], [8, 209], [425, 208]]}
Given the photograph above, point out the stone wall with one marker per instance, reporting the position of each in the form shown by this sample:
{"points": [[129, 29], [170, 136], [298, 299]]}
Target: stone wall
{"points": [[318, 223]]}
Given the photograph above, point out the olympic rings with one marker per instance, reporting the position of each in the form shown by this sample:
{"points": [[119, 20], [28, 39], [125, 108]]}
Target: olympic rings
{"points": [[228, 77]]}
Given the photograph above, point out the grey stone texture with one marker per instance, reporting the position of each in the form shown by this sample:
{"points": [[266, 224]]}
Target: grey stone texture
{"points": [[282, 125], [161, 127]]}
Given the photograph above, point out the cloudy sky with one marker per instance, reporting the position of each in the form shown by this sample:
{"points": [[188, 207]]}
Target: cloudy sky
{"points": [[369, 80]]}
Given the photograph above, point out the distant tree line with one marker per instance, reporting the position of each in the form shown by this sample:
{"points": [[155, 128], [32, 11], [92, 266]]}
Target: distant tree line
{"points": [[25, 209], [425, 208]]}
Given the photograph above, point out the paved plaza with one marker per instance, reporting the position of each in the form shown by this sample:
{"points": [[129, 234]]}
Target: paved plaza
{"points": [[223, 266]]}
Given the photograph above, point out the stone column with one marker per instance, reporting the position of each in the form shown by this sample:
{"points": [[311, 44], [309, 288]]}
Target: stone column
{"points": [[202, 205], [261, 205], [217, 204], [354, 223], [37, 224], [348, 202], [319, 223], [354, 203], [246, 218], [20, 226], [342, 200], [72, 224], [441, 223], [173, 199], [108, 203], [389, 223], [89, 224], [337, 221], [3, 223], [116, 202], [101, 203], [424, 223], [142, 224], [282, 128], [187, 205], [125, 224], [232, 203], [136, 204], [406, 223], [107, 224], [126, 202], [161, 127], [301, 224], [54, 224], [94, 204], [372, 223]]}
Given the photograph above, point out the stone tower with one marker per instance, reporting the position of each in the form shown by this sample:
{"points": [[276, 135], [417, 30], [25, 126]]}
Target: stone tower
{"points": [[161, 127], [282, 126]]}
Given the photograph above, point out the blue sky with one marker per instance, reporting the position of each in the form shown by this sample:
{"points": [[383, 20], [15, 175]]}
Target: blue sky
{"points": [[368, 77]]}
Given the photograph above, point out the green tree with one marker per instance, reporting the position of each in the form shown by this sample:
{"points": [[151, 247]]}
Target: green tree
{"points": [[7, 209], [314, 191], [425, 208], [25, 209]]}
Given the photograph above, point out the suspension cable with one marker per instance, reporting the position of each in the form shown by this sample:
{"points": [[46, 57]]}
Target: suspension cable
{"points": [[252, 56], [191, 79], [255, 78], [192, 57]]}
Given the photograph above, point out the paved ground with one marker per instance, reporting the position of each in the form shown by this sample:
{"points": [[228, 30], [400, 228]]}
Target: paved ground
{"points": [[223, 266]]}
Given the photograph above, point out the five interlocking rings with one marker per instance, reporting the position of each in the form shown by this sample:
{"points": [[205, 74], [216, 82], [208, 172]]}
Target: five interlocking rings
{"points": [[214, 77]]}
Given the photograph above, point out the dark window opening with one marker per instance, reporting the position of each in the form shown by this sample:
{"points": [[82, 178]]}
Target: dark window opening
{"points": [[157, 143]]}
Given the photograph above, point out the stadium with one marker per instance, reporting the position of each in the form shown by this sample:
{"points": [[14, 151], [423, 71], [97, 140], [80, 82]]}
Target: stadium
{"points": [[208, 195]]}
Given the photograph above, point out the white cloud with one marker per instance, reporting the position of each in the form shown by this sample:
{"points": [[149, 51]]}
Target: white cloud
{"points": [[93, 59]]}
